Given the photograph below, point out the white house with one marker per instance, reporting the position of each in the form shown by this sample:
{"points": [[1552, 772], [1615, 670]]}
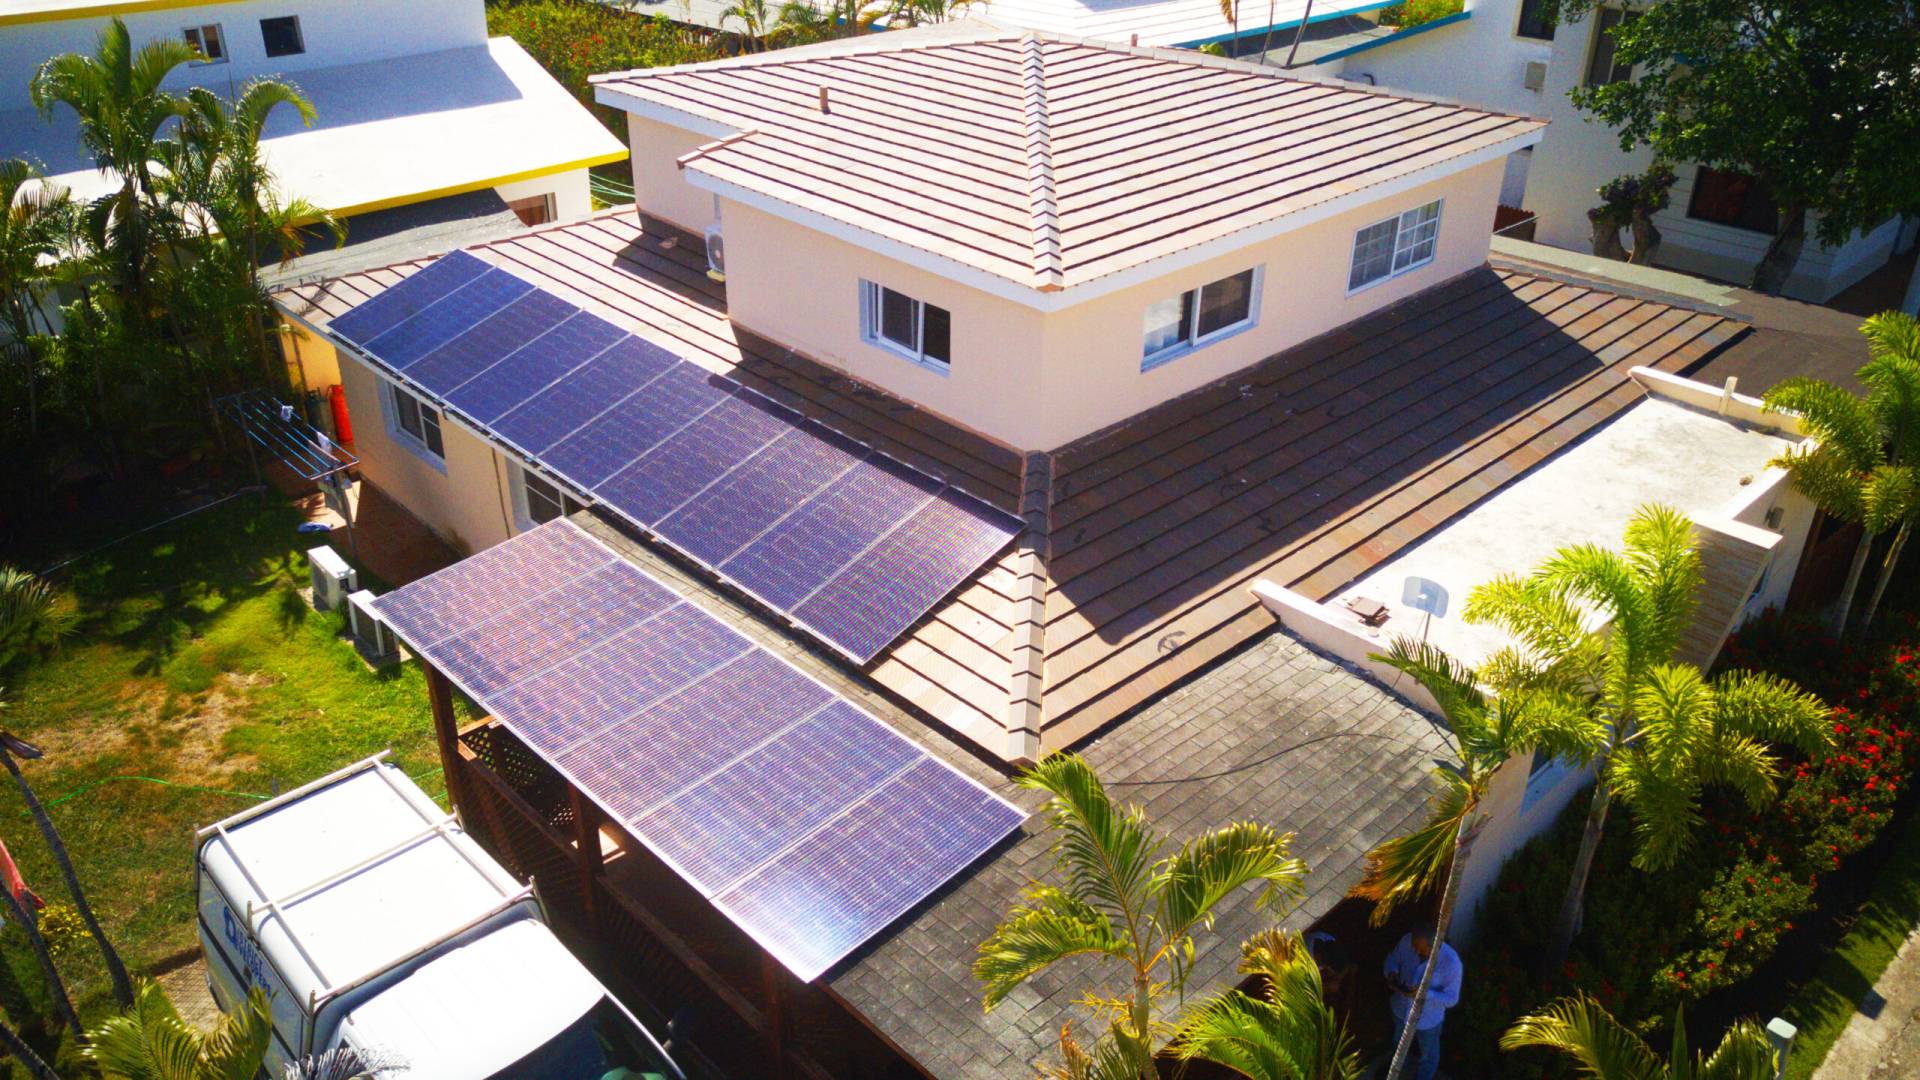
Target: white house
{"points": [[414, 101]]}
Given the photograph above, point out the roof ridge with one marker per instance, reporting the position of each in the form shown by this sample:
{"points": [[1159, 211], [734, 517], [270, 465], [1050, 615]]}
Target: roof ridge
{"points": [[1042, 197]]}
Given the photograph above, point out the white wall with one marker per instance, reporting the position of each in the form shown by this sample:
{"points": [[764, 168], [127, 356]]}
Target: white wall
{"points": [[334, 31], [1578, 154], [571, 197], [1478, 61]]}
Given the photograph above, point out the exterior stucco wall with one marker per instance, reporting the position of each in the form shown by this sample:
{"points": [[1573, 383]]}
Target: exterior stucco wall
{"points": [[571, 199], [1578, 154], [659, 186], [1038, 380], [333, 33], [1478, 61], [467, 505]]}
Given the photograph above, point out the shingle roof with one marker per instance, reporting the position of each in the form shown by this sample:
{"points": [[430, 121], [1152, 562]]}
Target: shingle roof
{"points": [[1308, 469], [1047, 161]]}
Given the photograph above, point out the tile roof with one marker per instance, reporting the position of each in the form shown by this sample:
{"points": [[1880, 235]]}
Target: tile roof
{"points": [[1277, 734], [1050, 162], [1307, 469]]}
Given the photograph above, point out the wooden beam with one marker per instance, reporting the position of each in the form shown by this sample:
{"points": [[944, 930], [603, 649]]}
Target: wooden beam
{"points": [[446, 732], [587, 853], [773, 980]]}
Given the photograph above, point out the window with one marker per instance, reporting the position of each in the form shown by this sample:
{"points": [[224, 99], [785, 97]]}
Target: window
{"points": [[1601, 67], [533, 210], [1732, 198], [1533, 22], [416, 423], [538, 500], [916, 330], [281, 36], [1196, 317], [209, 41], [1392, 247]]}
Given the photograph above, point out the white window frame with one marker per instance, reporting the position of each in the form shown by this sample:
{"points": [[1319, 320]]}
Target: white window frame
{"points": [[391, 402], [1404, 240], [870, 329], [523, 518], [196, 37], [1190, 341]]}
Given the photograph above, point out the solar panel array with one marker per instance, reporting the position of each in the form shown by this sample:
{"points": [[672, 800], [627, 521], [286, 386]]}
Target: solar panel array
{"points": [[809, 822], [845, 541]]}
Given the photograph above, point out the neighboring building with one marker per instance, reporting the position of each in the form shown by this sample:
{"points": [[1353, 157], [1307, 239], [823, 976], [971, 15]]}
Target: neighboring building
{"points": [[1718, 224], [414, 103], [1192, 341]]}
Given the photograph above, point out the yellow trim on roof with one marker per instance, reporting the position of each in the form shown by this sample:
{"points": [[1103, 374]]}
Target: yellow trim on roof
{"points": [[107, 7], [607, 158]]}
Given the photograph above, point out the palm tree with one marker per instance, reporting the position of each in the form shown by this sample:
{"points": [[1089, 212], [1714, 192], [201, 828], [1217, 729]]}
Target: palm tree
{"points": [[13, 1044], [1126, 903], [1288, 1033], [151, 1042], [756, 20], [1862, 467], [803, 21], [29, 235], [1669, 730], [1609, 1050], [117, 95], [1545, 713], [20, 909]]}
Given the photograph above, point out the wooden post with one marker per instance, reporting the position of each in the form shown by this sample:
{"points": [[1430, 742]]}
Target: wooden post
{"points": [[773, 980], [587, 853], [446, 731]]}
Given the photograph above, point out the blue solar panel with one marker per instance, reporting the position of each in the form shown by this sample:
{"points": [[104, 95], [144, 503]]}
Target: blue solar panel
{"points": [[695, 457], [756, 495], [808, 821], [564, 407], [489, 341], [453, 315], [403, 301], [542, 362], [829, 532], [636, 425], [763, 802], [873, 864], [888, 589]]}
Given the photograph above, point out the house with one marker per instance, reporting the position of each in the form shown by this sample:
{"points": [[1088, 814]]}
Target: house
{"points": [[956, 396], [415, 104]]}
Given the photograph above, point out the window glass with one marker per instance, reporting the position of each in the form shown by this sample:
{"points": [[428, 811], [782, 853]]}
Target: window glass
{"points": [[1373, 252], [1166, 323], [543, 499], [1533, 22], [281, 36], [407, 412], [1732, 198], [1419, 229], [1224, 303], [430, 423], [936, 333], [207, 39], [896, 319], [1602, 69]]}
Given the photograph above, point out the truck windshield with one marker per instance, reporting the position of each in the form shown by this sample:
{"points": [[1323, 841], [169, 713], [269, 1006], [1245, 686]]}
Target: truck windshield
{"points": [[601, 1045]]}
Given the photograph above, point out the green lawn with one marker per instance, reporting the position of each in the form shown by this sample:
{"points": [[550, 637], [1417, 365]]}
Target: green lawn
{"points": [[197, 663]]}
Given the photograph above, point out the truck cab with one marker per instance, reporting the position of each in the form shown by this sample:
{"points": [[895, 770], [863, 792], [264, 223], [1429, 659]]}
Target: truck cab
{"points": [[375, 924]]}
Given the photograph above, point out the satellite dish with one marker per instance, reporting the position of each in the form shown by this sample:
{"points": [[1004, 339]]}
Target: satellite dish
{"points": [[1421, 594]]}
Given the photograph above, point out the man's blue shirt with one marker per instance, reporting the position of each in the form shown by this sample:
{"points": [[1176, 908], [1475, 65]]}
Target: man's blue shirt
{"points": [[1405, 968]]}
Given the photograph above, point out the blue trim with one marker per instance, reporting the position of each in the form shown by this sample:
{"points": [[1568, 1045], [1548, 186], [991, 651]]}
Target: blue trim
{"points": [[1390, 38], [1294, 25]]}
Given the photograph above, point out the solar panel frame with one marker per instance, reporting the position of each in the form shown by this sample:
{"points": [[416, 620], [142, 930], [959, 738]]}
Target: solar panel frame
{"points": [[407, 298], [617, 373], [529, 370], [489, 341], [447, 318]]}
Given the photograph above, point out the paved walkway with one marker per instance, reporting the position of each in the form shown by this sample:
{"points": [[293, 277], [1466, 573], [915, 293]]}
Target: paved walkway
{"points": [[1882, 1042], [186, 987], [391, 543]]}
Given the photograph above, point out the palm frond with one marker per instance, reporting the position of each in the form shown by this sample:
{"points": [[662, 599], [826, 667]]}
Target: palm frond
{"points": [[1107, 851], [1218, 863], [1833, 415], [1770, 707], [1580, 1028], [1889, 495], [235, 1048], [1049, 927], [1449, 681], [1409, 867], [1665, 809], [1745, 1053]]}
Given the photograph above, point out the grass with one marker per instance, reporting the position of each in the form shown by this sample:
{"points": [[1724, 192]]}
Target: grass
{"points": [[1830, 998], [196, 667]]}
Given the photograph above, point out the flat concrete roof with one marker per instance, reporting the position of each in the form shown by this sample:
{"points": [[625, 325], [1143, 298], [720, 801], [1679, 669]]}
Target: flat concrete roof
{"points": [[1656, 451], [388, 133]]}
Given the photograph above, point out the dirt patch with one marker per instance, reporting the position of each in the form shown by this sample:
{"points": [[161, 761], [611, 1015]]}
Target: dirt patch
{"points": [[189, 729]]}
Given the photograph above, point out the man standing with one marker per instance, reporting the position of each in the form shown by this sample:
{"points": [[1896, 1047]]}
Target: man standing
{"points": [[1405, 965]]}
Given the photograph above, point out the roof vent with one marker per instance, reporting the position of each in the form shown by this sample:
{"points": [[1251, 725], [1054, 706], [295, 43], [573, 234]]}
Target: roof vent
{"points": [[823, 101], [1371, 612]]}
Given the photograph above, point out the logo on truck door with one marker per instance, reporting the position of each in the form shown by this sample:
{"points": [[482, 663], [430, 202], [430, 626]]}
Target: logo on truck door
{"points": [[245, 950]]}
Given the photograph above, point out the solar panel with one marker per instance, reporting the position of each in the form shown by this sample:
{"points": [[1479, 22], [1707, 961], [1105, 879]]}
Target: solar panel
{"points": [[809, 822], [399, 302], [566, 406], [542, 362], [848, 543], [488, 341], [448, 318]]}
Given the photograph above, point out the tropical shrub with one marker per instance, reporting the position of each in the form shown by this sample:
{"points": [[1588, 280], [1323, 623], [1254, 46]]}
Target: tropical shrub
{"points": [[574, 41], [1411, 13]]}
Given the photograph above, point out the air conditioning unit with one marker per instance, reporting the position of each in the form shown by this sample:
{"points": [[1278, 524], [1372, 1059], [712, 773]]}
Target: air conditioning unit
{"points": [[370, 631], [1536, 77], [716, 254], [333, 579]]}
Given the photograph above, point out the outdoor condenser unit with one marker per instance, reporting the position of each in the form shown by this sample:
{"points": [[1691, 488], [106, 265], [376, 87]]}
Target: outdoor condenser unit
{"points": [[375, 637], [716, 254], [333, 579], [1536, 77]]}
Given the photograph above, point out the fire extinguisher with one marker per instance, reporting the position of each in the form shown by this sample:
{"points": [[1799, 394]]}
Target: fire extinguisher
{"points": [[342, 424]]}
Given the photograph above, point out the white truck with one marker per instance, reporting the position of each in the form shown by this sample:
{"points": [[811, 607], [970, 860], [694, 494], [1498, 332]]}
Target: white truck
{"points": [[376, 924]]}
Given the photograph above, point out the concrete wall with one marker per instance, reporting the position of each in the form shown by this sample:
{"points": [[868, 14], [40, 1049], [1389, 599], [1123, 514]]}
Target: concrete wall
{"points": [[1578, 154], [334, 32], [1038, 380], [571, 198], [660, 186], [1477, 61]]}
